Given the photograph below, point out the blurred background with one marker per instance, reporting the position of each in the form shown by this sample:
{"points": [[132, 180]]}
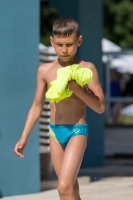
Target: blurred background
{"points": [[117, 63], [108, 43], [117, 60]]}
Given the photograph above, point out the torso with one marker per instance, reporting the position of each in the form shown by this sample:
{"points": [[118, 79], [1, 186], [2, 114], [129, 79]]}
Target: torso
{"points": [[71, 110]]}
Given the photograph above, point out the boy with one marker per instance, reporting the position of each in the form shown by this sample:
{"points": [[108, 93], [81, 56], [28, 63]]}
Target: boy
{"points": [[68, 128]]}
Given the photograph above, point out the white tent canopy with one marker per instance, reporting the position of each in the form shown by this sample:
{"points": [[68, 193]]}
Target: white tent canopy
{"points": [[122, 62], [128, 110], [108, 46]]}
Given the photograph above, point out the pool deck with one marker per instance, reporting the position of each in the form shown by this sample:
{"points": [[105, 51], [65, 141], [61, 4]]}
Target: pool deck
{"points": [[102, 183]]}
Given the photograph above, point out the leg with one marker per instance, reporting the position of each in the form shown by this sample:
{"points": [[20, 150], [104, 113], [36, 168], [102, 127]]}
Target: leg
{"points": [[57, 154], [116, 112], [67, 183]]}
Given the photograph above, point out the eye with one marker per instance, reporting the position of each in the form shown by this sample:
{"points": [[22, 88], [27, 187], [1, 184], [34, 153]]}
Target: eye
{"points": [[69, 45], [59, 45]]}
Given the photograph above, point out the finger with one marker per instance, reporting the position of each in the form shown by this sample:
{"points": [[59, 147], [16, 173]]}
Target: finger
{"points": [[19, 154], [17, 150], [19, 147]]}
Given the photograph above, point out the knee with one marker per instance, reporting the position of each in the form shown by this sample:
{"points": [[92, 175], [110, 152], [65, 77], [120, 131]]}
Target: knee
{"points": [[64, 188], [76, 186]]}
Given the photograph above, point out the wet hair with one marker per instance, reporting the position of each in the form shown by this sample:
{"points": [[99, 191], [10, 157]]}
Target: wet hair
{"points": [[65, 26]]}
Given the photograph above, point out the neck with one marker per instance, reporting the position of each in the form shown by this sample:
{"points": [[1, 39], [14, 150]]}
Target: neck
{"points": [[75, 60]]}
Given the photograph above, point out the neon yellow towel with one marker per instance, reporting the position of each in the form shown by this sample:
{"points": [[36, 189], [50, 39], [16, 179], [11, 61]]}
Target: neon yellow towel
{"points": [[58, 88]]}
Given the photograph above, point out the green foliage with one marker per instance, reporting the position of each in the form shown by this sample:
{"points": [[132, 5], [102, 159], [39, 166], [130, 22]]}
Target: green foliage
{"points": [[47, 17], [118, 22]]}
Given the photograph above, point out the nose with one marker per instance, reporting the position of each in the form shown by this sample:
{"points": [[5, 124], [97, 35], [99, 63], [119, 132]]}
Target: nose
{"points": [[64, 49]]}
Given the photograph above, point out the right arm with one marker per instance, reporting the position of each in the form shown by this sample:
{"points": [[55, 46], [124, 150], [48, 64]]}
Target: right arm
{"points": [[34, 112]]}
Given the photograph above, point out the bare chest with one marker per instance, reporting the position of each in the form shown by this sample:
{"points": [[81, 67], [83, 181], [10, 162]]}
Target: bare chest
{"points": [[50, 76]]}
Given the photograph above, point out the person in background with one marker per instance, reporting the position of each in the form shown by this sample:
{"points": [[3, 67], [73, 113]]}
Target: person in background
{"points": [[117, 87]]}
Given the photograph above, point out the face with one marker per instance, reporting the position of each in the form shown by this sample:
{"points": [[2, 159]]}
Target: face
{"points": [[66, 47]]}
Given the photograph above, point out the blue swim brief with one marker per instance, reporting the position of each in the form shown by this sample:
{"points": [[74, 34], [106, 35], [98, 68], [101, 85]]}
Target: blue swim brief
{"points": [[63, 133]]}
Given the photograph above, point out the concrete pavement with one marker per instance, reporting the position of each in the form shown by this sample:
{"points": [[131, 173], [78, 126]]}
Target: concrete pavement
{"points": [[114, 181], [116, 188]]}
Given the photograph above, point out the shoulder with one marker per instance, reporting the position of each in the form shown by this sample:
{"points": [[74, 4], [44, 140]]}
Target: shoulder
{"points": [[45, 68], [93, 68], [89, 65]]}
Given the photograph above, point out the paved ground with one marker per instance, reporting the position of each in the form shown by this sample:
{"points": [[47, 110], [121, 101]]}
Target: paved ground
{"points": [[114, 181], [106, 189]]}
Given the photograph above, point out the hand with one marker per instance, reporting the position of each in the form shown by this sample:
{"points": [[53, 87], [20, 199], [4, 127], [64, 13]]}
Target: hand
{"points": [[73, 86], [19, 147]]}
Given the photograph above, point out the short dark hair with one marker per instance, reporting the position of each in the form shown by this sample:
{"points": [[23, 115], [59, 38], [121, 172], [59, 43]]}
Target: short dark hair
{"points": [[65, 26]]}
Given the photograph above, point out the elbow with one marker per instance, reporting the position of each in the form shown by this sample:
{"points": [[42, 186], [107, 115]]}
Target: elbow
{"points": [[99, 109], [101, 106], [102, 109]]}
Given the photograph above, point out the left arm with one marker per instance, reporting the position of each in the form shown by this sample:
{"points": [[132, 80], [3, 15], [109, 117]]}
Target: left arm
{"points": [[94, 99]]}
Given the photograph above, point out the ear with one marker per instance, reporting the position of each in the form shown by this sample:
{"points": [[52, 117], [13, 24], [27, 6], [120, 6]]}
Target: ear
{"points": [[80, 40], [51, 40]]}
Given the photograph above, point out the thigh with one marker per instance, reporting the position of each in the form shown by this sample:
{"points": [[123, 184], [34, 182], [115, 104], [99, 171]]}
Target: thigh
{"points": [[57, 154], [72, 159]]}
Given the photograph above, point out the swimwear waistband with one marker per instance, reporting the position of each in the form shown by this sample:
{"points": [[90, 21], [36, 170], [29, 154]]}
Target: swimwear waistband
{"points": [[74, 125]]}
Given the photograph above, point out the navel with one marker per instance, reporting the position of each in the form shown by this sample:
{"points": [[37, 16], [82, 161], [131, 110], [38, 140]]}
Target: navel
{"points": [[60, 116]]}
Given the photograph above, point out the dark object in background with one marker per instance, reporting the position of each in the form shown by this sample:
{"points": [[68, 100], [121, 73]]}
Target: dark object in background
{"points": [[47, 18], [0, 194], [129, 87]]}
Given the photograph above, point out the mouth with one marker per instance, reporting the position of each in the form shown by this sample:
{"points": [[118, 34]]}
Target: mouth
{"points": [[64, 56]]}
